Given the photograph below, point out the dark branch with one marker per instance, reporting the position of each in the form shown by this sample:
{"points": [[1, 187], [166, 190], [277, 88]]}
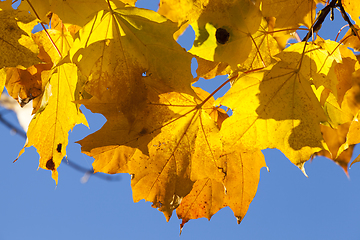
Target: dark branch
{"points": [[320, 19], [68, 162], [17, 130]]}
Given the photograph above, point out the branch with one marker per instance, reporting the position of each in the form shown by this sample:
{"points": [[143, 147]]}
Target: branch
{"points": [[70, 163], [320, 19], [12, 127]]}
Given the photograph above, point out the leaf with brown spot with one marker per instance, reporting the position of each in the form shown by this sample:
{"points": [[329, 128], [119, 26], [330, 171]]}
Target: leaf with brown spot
{"points": [[59, 118], [240, 19]]}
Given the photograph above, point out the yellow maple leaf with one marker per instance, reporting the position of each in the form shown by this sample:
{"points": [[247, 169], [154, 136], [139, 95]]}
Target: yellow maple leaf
{"points": [[277, 107], [170, 137], [59, 114], [174, 155], [117, 48]]}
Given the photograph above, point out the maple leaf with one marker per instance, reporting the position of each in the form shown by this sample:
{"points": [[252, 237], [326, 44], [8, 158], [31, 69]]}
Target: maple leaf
{"points": [[172, 153], [157, 149], [51, 141], [112, 53], [16, 46], [278, 103], [223, 31]]}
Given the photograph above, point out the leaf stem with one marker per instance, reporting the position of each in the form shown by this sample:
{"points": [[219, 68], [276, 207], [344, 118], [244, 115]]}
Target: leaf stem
{"points": [[43, 26], [342, 28], [216, 90], [258, 51], [108, 2]]}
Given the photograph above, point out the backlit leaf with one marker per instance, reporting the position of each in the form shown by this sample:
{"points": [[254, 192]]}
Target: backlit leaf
{"points": [[278, 103], [59, 114]]}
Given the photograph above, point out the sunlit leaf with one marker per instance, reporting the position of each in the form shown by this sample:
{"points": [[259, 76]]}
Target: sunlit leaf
{"points": [[117, 48], [59, 114], [277, 108], [173, 144]]}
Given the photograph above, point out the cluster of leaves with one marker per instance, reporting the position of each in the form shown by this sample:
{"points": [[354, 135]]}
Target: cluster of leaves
{"points": [[182, 150]]}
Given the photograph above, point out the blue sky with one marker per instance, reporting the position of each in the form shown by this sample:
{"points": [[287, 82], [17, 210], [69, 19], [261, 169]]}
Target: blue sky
{"points": [[287, 205]]}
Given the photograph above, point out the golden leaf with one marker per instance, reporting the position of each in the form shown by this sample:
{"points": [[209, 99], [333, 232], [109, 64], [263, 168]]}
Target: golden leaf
{"points": [[59, 114], [277, 108]]}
